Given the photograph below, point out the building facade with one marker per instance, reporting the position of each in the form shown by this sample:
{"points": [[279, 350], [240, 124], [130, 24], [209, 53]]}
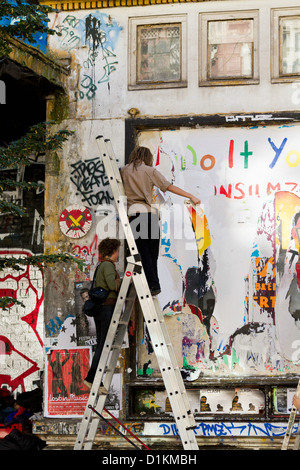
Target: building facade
{"points": [[212, 88]]}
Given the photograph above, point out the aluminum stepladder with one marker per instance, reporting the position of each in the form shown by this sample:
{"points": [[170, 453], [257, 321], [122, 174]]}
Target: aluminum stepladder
{"points": [[290, 425], [135, 285]]}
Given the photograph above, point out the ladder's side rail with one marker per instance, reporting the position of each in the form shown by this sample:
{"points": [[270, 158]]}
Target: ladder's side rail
{"points": [[162, 347], [178, 376], [115, 167], [289, 429], [167, 361]]}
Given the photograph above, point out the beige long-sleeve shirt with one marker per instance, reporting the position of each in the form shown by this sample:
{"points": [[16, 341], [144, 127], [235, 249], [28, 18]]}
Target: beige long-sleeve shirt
{"points": [[138, 185]]}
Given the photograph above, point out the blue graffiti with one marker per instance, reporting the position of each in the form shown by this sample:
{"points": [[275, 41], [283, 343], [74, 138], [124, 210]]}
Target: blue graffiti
{"points": [[55, 325]]}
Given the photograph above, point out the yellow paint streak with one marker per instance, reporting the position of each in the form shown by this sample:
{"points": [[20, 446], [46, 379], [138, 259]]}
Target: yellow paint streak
{"points": [[286, 206], [200, 226]]}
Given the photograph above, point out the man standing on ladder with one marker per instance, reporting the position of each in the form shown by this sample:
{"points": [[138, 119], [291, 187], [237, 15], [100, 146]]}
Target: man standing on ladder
{"points": [[139, 178]]}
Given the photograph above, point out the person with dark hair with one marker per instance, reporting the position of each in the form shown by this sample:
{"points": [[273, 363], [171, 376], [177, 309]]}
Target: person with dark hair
{"points": [[296, 401], [84, 294], [108, 278], [139, 178]]}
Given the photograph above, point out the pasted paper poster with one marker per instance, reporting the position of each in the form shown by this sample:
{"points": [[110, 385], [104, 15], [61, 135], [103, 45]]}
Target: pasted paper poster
{"points": [[65, 369]]}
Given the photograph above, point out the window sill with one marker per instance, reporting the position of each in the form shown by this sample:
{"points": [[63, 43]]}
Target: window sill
{"points": [[286, 79], [230, 82], [157, 85]]}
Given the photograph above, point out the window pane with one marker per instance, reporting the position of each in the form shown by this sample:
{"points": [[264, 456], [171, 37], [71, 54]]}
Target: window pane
{"points": [[290, 40], [159, 53], [230, 48]]}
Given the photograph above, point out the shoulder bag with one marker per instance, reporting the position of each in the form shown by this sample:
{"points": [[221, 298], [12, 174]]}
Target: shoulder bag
{"points": [[97, 295]]}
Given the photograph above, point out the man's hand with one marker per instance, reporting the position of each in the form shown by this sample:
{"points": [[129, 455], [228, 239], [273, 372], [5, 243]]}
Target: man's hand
{"points": [[195, 200]]}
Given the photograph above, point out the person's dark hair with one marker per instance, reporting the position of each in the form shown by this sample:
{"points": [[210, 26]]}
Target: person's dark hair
{"points": [[107, 247], [141, 155]]}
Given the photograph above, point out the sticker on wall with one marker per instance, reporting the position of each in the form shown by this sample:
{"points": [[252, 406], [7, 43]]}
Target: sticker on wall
{"points": [[75, 221]]}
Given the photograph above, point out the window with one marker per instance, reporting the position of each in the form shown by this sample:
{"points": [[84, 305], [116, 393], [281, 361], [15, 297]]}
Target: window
{"points": [[286, 44], [158, 53], [157, 57], [228, 48], [290, 53]]}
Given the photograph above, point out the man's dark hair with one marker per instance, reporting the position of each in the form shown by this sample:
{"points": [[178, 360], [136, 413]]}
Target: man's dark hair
{"points": [[141, 155]]}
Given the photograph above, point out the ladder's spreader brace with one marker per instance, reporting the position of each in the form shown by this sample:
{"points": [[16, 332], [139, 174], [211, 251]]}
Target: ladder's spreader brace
{"points": [[290, 425], [126, 429], [134, 285]]}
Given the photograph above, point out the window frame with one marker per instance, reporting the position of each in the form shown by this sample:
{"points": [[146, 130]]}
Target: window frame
{"points": [[134, 23], [276, 51], [204, 19]]}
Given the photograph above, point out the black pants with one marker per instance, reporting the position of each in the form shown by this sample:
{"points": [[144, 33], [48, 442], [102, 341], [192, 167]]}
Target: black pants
{"points": [[102, 322], [145, 228]]}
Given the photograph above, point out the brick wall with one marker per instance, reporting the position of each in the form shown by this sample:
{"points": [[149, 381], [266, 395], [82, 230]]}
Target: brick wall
{"points": [[21, 327]]}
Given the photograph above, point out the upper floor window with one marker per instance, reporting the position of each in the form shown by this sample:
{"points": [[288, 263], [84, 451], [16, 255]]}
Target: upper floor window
{"points": [[285, 44], [290, 53], [157, 57], [158, 53], [228, 48]]}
